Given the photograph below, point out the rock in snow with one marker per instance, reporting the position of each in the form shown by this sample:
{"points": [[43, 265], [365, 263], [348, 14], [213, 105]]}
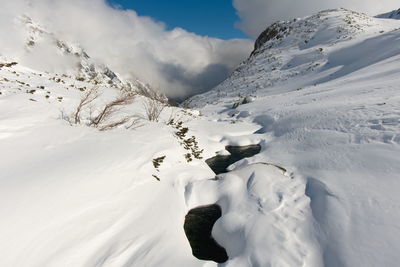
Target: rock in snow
{"points": [[324, 107]]}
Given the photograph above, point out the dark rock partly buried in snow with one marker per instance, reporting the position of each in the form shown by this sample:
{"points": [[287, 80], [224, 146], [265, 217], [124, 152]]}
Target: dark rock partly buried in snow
{"points": [[219, 163], [198, 227]]}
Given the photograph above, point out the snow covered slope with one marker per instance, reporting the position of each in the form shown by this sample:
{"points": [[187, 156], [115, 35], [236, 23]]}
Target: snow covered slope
{"points": [[395, 14], [75, 196], [291, 55], [45, 51], [324, 91], [319, 94]]}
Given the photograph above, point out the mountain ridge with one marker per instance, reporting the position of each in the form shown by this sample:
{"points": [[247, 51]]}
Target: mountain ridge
{"points": [[319, 98], [316, 34], [395, 14], [324, 91], [70, 59]]}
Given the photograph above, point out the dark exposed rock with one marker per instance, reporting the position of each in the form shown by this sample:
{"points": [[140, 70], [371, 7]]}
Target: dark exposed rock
{"points": [[110, 74], [8, 65], [219, 163], [198, 227], [277, 30]]}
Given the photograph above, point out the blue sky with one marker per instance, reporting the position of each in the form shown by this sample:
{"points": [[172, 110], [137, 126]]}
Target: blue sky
{"points": [[214, 18]]}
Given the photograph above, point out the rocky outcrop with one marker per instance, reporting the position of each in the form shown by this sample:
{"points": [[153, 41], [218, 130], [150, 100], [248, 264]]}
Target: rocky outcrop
{"points": [[84, 68], [277, 31]]}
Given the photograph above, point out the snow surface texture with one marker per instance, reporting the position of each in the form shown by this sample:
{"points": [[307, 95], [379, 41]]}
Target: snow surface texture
{"points": [[325, 94], [321, 99], [74, 196]]}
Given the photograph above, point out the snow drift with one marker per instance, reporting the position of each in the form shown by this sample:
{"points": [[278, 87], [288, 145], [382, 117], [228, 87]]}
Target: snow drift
{"points": [[320, 95]]}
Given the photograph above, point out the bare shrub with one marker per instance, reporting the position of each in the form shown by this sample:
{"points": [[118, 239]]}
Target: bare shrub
{"points": [[110, 109], [86, 100], [150, 93], [103, 120], [133, 119], [153, 109]]}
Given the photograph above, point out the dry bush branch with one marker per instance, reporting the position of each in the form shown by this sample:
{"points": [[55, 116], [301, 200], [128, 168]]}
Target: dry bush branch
{"points": [[153, 109], [110, 109], [66, 117], [102, 120], [109, 126], [86, 100], [150, 93]]}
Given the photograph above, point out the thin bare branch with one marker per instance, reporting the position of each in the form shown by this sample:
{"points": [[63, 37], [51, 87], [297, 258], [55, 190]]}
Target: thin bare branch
{"points": [[153, 109], [122, 121], [87, 99], [110, 109], [102, 120]]}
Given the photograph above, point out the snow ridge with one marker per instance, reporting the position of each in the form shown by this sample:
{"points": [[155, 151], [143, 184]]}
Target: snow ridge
{"points": [[324, 93], [300, 48], [395, 14]]}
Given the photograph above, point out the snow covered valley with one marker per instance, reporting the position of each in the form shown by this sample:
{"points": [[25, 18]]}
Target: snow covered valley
{"points": [[320, 95]]}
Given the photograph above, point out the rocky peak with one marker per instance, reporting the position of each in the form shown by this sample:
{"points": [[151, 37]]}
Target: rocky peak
{"points": [[277, 30], [84, 68], [302, 31]]}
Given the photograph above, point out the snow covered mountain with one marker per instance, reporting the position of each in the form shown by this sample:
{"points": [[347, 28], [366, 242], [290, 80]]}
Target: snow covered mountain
{"points": [[395, 14], [319, 94], [292, 55], [45, 51], [324, 91]]}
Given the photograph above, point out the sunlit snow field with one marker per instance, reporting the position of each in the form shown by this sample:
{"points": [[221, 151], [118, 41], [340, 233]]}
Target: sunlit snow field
{"points": [[323, 191]]}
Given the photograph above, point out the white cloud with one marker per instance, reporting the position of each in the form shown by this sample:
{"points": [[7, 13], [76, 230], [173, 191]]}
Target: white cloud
{"points": [[178, 62], [256, 15]]}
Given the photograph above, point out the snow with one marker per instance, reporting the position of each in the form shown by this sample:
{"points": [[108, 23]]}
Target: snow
{"points": [[72, 195], [336, 125], [322, 191], [395, 14], [262, 207]]}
